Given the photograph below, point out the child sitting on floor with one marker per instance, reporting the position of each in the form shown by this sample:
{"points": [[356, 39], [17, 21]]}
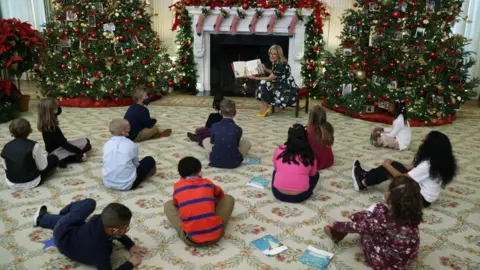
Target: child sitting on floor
{"points": [[25, 165], [295, 168], [320, 137], [55, 142], [199, 210], [434, 167], [225, 145], [91, 242], [142, 125], [389, 231], [204, 132], [122, 169], [399, 136]]}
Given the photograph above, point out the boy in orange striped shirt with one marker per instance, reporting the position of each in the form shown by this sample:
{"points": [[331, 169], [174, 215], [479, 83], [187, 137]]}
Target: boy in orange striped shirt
{"points": [[199, 210]]}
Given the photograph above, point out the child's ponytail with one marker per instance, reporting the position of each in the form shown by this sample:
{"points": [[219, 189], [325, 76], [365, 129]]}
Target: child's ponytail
{"points": [[401, 109]]}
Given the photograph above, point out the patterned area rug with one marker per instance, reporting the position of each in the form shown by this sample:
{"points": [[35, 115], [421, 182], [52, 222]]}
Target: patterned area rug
{"points": [[450, 234]]}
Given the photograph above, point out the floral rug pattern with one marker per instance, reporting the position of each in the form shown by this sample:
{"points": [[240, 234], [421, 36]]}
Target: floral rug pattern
{"points": [[450, 233]]}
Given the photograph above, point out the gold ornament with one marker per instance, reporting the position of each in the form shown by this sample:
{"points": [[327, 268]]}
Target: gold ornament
{"points": [[454, 100], [360, 75], [386, 2]]}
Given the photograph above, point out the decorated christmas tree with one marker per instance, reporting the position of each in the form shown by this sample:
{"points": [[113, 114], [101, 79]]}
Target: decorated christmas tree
{"points": [[400, 49], [102, 50]]}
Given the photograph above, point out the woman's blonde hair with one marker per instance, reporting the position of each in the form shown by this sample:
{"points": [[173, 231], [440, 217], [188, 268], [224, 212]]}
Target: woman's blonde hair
{"points": [[317, 123], [279, 51], [47, 120]]}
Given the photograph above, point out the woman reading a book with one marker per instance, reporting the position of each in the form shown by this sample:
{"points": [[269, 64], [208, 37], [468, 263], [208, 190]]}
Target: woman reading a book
{"points": [[279, 87]]}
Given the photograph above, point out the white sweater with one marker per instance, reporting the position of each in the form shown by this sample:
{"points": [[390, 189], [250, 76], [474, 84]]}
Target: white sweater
{"points": [[401, 132]]}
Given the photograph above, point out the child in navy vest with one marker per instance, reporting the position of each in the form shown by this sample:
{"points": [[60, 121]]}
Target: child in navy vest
{"points": [[25, 165]]}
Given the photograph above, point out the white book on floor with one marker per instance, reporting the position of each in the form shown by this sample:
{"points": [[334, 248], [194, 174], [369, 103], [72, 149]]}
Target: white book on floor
{"points": [[316, 258], [244, 69]]}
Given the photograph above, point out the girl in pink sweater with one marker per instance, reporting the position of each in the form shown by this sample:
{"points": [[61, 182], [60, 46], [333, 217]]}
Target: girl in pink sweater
{"points": [[320, 137], [295, 168]]}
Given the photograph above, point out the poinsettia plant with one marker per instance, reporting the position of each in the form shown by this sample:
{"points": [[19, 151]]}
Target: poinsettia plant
{"points": [[9, 100], [20, 46]]}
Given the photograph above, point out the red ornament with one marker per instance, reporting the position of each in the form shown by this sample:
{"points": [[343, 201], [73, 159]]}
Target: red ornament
{"points": [[360, 22], [138, 79], [377, 7], [385, 24], [170, 84], [149, 84], [452, 78], [78, 13], [87, 83], [117, 21], [93, 35], [339, 94], [157, 47], [245, 6], [422, 92], [64, 66], [418, 71], [396, 14], [142, 28], [449, 18], [174, 65], [407, 100], [364, 63], [76, 30], [188, 2], [414, 4], [127, 20], [433, 55], [117, 99], [458, 52], [110, 92], [118, 62], [369, 96], [128, 51], [185, 60], [125, 28], [144, 61], [36, 68], [392, 65], [90, 57], [122, 86], [84, 50], [362, 87], [410, 76], [184, 82], [139, 11], [95, 60], [355, 4], [365, 53], [411, 14]]}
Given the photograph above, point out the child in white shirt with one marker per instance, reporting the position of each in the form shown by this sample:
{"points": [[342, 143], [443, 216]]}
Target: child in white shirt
{"points": [[434, 167], [399, 136], [122, 170]]}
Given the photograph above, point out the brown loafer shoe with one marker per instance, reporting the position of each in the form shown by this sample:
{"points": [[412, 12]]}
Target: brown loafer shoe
{"points": [[334, 235], [164, 133]]}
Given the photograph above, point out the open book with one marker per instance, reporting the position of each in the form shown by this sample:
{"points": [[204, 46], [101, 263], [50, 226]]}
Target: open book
{"points": [[269, 245], [249, 68], [315, 258]]}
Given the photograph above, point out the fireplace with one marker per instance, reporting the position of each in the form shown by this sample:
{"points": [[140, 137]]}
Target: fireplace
{"points": [[225, 49], [233, 45]]}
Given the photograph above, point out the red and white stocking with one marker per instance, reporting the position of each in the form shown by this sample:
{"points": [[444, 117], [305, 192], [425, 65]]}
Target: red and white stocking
{"points": [[291, 27], [271, 23], [199, 26], [233, 26], [218, 22], [252, 24]]}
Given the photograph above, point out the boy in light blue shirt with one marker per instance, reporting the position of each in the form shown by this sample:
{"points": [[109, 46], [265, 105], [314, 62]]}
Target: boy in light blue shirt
{"points": [[122, 169]]}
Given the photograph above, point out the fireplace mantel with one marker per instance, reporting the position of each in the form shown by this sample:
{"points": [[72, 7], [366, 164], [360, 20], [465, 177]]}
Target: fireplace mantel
{"points": [[201, 44]]}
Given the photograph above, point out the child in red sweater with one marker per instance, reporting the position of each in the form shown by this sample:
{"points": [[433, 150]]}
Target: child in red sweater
{"points": [[320, 137], [199, 210], [389, 231]]}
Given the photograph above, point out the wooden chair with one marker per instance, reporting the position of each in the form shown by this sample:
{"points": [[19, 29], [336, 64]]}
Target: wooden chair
{"points": [[302, 92]]}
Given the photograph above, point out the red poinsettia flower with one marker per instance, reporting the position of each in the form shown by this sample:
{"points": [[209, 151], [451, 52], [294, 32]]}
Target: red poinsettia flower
{"points": [[13, 58]]}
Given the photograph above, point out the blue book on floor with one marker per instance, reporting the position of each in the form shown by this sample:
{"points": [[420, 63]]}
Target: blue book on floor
{"points": [[269, 245], [251, 160], [316, 258], [258, 182]]}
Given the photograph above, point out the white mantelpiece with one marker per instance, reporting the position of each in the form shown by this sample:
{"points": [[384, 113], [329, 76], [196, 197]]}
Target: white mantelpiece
{"points": [[201, 44]]}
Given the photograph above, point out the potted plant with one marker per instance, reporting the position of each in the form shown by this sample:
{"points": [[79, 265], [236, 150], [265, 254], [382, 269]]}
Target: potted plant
{"points": [[9, 101], [20, 47]]}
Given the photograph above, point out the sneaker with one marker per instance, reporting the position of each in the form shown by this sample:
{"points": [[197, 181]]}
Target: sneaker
{"points": [[192, 136], [356, 163], [357, 179], [164, 133], [334, 235], [42, 210]]}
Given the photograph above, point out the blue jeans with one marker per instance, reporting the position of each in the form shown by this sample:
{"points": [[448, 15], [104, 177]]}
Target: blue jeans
{"points": [[76, 211]]}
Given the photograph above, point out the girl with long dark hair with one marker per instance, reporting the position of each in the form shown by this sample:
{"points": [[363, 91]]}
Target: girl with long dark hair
{"points": [[433, 168], [295, 167]]}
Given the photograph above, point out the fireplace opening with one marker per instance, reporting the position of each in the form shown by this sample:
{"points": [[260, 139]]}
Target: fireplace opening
{"points": [[226, 49]]}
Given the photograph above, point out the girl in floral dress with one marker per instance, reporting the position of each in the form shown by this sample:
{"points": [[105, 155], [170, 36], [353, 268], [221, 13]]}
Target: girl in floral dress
{"points": [[279, 88], [389, 231]]}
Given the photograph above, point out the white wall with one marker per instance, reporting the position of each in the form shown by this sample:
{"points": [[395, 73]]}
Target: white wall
{"points": [[332, 28]]}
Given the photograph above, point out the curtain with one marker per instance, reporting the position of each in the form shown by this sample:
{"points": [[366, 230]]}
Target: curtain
{"points": [[469, 29], [31, 11]]}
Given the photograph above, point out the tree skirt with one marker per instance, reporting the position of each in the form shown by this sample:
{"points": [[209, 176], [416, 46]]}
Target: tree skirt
{"points": [[387, 119], [85, 102]]}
